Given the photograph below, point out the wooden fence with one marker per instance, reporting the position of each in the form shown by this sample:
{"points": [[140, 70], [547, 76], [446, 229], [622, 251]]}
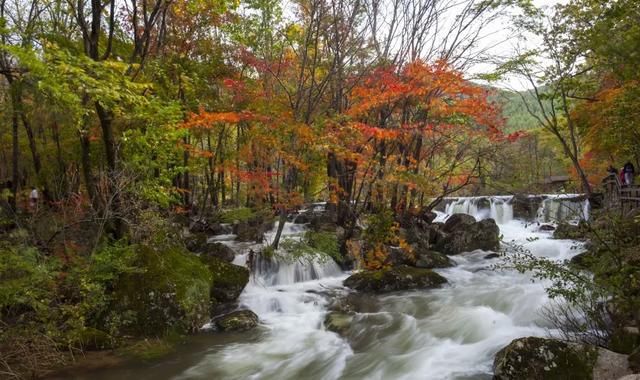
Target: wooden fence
{"points": [[617, 195]]}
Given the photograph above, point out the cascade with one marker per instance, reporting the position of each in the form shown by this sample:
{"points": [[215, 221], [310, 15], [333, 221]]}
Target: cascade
{"points": [[448, 333], [563, 208]]}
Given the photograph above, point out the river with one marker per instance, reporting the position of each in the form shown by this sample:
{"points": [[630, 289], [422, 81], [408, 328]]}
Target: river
{"points": [[448, 333]]}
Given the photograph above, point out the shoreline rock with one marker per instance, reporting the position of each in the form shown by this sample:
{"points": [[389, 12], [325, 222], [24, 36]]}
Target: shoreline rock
{"points": [[392, 279]]}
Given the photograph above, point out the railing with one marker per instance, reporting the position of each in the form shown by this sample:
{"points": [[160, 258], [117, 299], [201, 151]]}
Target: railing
{"points": [[617, 195]]}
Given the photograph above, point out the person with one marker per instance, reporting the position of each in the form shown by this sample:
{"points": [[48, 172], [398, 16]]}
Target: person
{"points": [[612, 170], [629, 172], [33, 198], [621, 175]]}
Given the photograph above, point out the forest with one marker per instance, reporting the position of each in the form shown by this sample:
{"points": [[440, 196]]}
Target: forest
{"points": [[132, 131]]}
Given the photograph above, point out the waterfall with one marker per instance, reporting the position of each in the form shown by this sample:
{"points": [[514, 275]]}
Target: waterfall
{"points": [[498, 208], [563, 208]]}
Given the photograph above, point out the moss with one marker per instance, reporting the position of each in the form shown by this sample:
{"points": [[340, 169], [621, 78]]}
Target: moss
{"points": [[544, 359], [150, 349], [171, 293], [240, 320], [227, 280], [396, 278]]}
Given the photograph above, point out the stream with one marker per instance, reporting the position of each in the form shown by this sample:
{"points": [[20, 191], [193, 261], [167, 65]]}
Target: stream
{"points": [[448, 333]]}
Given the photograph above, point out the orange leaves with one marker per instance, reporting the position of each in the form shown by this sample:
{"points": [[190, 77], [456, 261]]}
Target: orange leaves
{"points": [[209, 120]]}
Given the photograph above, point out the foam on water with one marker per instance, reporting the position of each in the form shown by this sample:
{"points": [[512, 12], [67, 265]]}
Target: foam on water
{"points": [[448, 333]]}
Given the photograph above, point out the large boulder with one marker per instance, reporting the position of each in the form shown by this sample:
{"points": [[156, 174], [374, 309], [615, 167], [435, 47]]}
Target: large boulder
{"points": [[393, 279], [570, 231], [240, 320], [463, 235], [228, 280], [534, 358], [458, 221], [220, 251], [254, 226], [171, 292]]}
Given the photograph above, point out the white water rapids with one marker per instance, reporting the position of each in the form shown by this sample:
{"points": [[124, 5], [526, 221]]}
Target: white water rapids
{"points": [[448, 333]]}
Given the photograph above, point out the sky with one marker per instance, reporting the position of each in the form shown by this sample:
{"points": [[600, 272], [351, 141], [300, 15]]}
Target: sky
{"points": [[503, 43]]}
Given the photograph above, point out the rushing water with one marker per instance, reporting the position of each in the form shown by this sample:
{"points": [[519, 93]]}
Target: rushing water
{"points": [[448, 333]]}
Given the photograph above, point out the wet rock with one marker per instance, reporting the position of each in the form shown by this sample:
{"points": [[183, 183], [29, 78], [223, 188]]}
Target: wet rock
{"points": [[458, 221], [338, 322], [220, 229], [432, 259], [393, 279], [546, 227], [196, 242], [303, 218], [427, 216], [525, 207], [399, 256], [570, 231], [492, 256], [219, 251], [634, 360], [240, 320], [548, 359], [228, 280], [466, 236]]}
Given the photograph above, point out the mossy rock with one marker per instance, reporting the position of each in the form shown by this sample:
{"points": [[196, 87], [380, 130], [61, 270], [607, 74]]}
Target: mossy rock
{"points": [[534, 358], [432, 259], [393, 279], [170, 292], [570, 231], [240, 320], [227, 280], [338, 322]]}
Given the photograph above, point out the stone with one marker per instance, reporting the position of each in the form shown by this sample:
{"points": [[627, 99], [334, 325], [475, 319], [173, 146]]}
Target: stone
{"points": [[228, 280], [432, 259], [546, 227], [172, 293], [525, 207], [624, 340], [466, 236], [338, 322], [393, 279], [458, 221], [220, 251], [570, 231], [239, 320], [535, 358], [303, 218], [634, 360], [492, 256], [195, 242], [427, 216]]}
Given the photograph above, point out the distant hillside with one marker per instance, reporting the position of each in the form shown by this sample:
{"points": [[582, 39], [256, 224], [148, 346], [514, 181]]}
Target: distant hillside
{"points": [[515, 111]]}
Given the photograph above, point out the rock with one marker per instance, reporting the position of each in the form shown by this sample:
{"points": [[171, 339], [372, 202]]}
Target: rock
{"points": [[195, 242], [220, 251], [392, 279], [525, 207], [465, 236], [398, 256], [458, 221], [220, 229], [634, 360], [324, 221], [172, 293], [254, 226], [338, 322], [630, 377], [491, 256], [432, 259], [427, 216], [240, 320], [570, 231], [624, 340], [544, 359], [228, 280], [583, 260], [610, 365], [546, 227], [303, 218]]}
